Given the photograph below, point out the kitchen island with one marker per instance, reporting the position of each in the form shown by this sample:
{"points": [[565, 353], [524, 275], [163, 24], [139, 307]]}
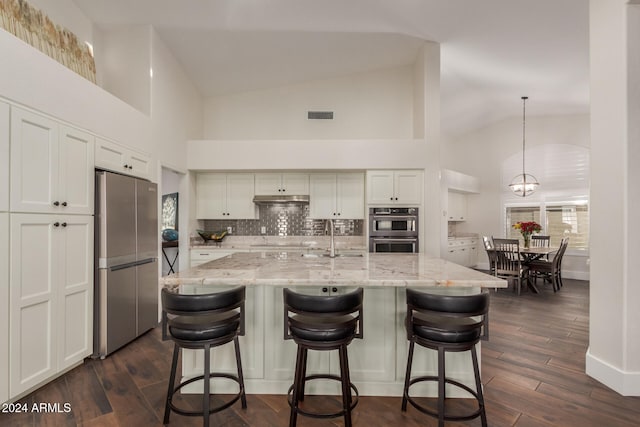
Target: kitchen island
{"points": [[377, 362]]}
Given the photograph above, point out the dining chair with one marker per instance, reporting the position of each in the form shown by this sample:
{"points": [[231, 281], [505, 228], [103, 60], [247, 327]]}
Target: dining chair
{"points": [[540, 241], [550, 269], [508, 262], [491, 254]]}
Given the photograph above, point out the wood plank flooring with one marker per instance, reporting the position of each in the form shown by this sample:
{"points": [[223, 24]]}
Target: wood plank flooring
{"points": [[532, 367]]}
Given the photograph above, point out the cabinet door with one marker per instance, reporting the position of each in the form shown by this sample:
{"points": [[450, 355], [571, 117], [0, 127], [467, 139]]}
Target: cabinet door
{"points": [[4, 159], [280, 354], [140, 165], [350, 196], [33, 307], [240, 192], [34, 162], [76, 162], [457, 207], [211, 196], [4, 307], [380, 187], [223, 357], [295, 183], [268, 184], [408, 187], [110, 156], [322, 195], [75, 289], [379, 329]]}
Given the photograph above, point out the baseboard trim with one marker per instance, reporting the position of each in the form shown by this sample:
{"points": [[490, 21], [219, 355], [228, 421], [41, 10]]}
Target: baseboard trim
{"points": [[625, 383]]}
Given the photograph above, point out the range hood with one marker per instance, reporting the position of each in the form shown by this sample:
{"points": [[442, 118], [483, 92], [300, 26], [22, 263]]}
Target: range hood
{"points": [[281, 198]]}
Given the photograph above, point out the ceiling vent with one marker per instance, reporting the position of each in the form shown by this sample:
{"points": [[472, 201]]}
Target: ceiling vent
{"points": [[320, 115]]}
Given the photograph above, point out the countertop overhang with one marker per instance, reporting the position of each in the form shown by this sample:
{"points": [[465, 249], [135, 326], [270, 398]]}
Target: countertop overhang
{"points": [[369, 270]]}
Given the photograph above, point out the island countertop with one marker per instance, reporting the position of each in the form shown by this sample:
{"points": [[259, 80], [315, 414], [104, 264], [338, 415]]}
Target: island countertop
{"points": [[367, 270]]}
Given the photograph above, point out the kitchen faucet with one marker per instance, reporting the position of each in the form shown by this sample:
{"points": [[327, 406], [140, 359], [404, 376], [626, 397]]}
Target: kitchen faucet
{"points": [[332, 244]]}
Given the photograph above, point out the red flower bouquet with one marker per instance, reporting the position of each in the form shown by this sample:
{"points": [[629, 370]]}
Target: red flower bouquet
{"points": [[527, 229]]}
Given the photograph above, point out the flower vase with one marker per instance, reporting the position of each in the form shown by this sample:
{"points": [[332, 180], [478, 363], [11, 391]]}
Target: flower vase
{"points": [[527, 241]]}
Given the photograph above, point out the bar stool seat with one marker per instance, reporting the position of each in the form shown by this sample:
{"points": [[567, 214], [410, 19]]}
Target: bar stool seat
{"points": [[203, 321], [445, 323], [325, 322]]}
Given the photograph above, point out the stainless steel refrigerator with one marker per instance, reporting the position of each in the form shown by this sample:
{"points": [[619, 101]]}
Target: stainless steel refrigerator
{"points": [[126, 251]]}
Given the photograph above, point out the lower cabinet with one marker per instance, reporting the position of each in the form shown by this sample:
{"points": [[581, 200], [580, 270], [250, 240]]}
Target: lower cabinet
{"points": [[4, 307], [462, 251], [51, 296]]}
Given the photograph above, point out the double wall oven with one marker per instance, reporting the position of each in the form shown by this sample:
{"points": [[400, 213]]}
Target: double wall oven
{"points": [[393, 230]]}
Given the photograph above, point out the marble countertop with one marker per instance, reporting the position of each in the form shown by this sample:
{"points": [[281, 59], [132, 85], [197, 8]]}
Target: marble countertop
{"points": [[368, 270]]}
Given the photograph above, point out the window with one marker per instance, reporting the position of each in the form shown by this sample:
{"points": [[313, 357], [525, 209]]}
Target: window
{"points": [[558, 220]]}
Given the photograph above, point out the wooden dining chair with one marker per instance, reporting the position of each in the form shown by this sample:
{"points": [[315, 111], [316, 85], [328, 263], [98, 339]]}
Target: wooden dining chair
{"points": [[540, 241], [491, 254], [550, 270], [508, 263]]}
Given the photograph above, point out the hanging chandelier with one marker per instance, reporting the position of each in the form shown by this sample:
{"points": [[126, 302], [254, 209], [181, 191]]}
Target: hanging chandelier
{"points": [[524, 184]]}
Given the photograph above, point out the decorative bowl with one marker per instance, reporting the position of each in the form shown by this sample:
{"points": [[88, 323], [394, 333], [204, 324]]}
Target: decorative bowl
{"points": [[169, 235], [216, 236]]}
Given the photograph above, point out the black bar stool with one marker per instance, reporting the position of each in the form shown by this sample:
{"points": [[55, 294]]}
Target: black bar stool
{"points": [[322, 323], [203, 321], [445, 323]]}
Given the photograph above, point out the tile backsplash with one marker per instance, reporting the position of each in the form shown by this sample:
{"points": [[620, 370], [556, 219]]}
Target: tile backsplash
{"points": [[285, 219]]}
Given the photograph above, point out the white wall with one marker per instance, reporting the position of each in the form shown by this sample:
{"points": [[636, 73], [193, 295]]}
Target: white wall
{"points": [[124, 57], [176, 107], [377, 104], [614, 331]]}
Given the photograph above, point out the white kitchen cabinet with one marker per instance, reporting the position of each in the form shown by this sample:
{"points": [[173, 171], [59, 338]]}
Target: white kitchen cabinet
{"points": [[268, 184], [400, 187], [4, 157], [338, 196], [379, 329], [51, 166], [457, 210], [51, 296], [118, 158], [225, 196], [4, 307], [223, 357], [462, 251]]}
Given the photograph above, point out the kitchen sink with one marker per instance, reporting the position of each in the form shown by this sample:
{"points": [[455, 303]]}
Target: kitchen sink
{"points": [[324, 255]]}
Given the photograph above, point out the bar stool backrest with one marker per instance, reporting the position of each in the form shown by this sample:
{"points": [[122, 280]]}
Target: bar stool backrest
{"points": [[323, 306], [176, 304]]}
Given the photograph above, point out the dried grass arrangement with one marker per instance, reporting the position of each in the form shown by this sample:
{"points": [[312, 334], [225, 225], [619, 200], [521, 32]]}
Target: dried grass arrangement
{"points": [[34, 27]]}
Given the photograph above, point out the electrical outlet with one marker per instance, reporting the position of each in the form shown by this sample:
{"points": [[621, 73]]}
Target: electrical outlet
{"points": [[230, 230], [263, 230]]}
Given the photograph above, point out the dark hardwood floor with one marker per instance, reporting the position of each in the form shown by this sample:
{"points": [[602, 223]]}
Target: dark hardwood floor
{"points": [[532, 367]]}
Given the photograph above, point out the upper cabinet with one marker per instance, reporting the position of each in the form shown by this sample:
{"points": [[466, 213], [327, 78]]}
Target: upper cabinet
{"points": [[268, 184], [51, 166], [225, 196], [457, 210], [401, 187], [339, 196], [117, 158], [4, 157]]}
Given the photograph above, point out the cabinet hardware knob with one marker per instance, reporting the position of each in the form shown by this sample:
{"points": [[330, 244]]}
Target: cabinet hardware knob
{"points": [[64, 224], [126, 166], [334, 289], [56, 203], [325, 289], [130, 167], [390, 198], [396, 198], [64, 203], [56, 224]]}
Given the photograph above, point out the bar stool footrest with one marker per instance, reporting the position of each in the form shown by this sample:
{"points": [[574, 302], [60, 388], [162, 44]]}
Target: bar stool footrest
{"points": [[218, 408], [324, 415], [458, 384]]}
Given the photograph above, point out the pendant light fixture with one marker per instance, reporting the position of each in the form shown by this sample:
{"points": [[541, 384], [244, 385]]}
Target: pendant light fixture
{"points": [[524, 184]]}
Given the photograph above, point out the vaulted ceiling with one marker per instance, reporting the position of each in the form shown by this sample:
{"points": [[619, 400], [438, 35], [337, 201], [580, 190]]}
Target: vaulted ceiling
{"points": [[492, 51]]}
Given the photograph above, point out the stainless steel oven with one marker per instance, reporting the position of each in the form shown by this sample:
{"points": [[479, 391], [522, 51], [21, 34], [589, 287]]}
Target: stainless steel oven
{"points": [[393, 230]]}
